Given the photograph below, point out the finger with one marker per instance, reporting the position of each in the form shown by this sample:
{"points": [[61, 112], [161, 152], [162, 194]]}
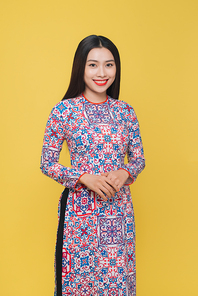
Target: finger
{"points": [[109, 188], [106, 191], [101, 194], [112, 184], [115, 181], [104, 174], [112, 177]]}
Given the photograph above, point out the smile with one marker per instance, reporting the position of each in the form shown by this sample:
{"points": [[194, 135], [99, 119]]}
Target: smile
{"points": [[101, 82]]}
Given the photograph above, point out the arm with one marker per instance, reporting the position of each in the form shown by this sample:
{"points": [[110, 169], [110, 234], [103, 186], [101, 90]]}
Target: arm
{"points": [[128, 173], [52, 145], [135, 153]]}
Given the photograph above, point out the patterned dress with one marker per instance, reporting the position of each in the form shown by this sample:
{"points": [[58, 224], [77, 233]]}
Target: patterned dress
{"points": [[98, 254]]}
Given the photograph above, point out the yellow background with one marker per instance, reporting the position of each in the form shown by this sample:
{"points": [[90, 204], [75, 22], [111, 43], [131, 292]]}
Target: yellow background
{"points": [[158, 45]]}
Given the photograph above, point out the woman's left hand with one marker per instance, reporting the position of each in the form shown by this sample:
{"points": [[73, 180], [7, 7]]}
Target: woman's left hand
{"points": [[119, 177]]}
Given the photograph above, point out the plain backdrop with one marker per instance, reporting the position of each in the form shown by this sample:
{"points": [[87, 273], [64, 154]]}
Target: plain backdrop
{"points": [[158, 45]]}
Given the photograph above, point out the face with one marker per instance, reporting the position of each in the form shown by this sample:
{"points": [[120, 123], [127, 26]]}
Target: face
{"points": [[100, 70]]}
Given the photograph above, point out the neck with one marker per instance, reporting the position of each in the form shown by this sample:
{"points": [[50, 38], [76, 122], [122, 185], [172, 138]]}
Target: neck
{"points": [[95, 97]]}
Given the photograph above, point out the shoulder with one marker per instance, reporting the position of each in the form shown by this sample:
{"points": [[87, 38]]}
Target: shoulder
{"points": [[63, 108], [123, 107]]}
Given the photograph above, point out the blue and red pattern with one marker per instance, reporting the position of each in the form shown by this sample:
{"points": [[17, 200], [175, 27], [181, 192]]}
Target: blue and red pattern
{"points": [[99, 236]]}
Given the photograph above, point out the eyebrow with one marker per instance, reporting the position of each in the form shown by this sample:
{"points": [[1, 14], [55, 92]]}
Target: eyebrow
{"points": [[97, 61]]}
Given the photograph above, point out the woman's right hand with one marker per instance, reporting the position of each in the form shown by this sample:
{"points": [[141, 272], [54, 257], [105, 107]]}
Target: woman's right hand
{"points": [[100, 184]]}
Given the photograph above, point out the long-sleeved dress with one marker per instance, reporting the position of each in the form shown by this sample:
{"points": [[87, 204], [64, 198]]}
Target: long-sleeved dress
{"points": [[98, 253]]}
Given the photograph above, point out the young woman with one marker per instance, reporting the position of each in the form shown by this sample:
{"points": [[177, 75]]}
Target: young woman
{"points": [[95, 250]]}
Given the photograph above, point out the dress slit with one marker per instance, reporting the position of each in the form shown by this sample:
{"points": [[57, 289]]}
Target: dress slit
{"points": [[59, 243]]}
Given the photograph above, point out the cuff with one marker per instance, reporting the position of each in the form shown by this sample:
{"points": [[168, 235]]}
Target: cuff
{"points": [[78, 186], [130, 179]]}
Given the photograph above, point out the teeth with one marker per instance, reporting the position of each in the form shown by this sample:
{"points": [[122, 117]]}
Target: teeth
{"points": [[101, 81]]}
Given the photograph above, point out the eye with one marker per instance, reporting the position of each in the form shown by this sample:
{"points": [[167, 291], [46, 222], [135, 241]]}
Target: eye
{"points": [[109, 65], [92, 65]]}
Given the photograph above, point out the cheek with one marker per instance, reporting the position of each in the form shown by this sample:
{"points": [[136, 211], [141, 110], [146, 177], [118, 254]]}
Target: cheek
{"points": [[88, 74], [87, 77]]}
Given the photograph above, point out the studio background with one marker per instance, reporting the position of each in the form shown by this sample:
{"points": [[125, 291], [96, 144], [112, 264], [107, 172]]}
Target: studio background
{"points": [[158, 45]]}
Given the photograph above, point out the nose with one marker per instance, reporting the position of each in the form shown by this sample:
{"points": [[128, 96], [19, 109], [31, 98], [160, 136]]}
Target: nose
{"points": [[101, 71]]}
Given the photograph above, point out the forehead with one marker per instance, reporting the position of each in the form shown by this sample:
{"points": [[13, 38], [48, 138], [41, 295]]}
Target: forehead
{"points": [[100, 54]]}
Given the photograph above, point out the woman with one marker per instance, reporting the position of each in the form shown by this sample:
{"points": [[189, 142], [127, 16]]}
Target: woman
{"points": [[95, 251]]}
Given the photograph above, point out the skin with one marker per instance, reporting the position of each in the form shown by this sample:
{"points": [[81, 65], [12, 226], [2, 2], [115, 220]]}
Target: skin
{"points": [[100, 67], [100, 72]]}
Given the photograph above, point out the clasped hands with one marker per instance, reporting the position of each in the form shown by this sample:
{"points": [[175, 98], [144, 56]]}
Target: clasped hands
{"points": [[106, 184]]}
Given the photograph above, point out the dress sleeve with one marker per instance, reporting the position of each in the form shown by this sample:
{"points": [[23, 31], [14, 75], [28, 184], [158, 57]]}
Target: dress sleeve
{"points": [[52, 145], [135, 153]]}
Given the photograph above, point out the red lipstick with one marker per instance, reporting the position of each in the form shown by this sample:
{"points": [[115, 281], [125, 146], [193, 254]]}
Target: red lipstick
{"points": [[101, 82]]}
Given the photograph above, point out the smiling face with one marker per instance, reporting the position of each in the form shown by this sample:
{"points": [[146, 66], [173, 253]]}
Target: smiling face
{"points": [[100, 72]]}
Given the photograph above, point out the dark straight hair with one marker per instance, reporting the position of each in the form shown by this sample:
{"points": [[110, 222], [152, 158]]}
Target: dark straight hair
{"points": [[77, 84]]}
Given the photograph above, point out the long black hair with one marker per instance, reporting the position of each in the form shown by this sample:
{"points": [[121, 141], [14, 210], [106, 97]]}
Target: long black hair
{"points": [[77, 84]]}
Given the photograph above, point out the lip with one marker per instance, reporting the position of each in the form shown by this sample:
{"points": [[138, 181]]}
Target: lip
{"points": [[100, 82]]}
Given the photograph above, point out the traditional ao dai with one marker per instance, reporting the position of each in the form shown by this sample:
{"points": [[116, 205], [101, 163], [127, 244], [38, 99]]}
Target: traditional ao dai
{"points": [[98, 254]]}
